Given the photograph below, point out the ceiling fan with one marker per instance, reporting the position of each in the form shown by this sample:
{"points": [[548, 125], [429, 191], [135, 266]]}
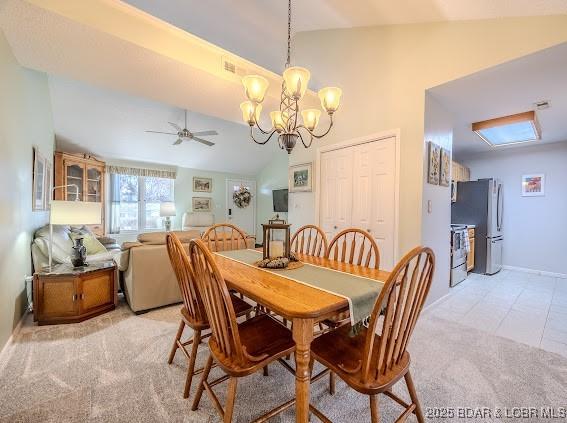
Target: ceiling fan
{"points": [[186, 135]]}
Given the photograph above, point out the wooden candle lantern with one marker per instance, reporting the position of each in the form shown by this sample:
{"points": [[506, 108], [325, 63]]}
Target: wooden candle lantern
{"points": [[273, 247]]}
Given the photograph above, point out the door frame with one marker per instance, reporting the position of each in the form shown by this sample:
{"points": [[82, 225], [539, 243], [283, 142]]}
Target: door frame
{"points": [[377, 136], [246, 181]]}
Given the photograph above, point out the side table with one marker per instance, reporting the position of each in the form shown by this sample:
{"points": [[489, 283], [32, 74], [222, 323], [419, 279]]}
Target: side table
{"points": [[66, 294]]}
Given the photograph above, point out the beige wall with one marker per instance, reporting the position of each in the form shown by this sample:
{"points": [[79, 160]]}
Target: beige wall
{"points": [[384, 72], [25, 121], [273, 176]]}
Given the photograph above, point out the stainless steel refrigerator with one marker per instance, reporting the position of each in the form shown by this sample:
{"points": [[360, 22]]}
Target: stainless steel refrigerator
{"points": [[480, 203]]}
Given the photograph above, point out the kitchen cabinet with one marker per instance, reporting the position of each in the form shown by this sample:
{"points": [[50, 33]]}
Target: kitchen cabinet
{"points": [[470, 255], [460, 173]]}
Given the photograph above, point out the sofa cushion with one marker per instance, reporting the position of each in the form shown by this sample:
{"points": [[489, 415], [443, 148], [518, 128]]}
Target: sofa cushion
{"points": [[62, 244], [158, 238]]}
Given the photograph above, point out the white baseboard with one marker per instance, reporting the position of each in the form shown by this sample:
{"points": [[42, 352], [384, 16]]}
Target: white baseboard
{"points": [[10, 339], [536, 272]]}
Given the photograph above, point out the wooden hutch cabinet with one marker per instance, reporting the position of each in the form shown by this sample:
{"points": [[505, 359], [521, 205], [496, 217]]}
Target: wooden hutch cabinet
{"points": [[85, 171]]}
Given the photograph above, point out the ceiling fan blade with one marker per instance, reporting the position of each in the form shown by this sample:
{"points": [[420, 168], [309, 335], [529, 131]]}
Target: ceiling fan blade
{"points": [[166, 133], [205, 133], [179, 141], [175, 126], [202, 141]]}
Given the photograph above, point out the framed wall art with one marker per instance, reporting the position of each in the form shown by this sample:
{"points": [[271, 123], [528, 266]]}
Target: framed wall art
{"points": [[202, 184], [445, 175], [38, 182], [202, 204], [300, 178], [533, 185], [434, 163]]}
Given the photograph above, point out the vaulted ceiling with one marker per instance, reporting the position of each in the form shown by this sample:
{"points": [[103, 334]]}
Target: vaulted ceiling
{"points": [[257, 29], [147, 60]]}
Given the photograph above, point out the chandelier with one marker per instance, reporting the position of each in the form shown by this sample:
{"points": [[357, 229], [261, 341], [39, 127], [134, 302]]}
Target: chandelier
{"points": [[285, 120]]}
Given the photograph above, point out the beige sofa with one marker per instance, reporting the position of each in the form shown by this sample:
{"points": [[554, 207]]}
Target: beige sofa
{"points": [[149, 280], [197, 221], [63, 247]]}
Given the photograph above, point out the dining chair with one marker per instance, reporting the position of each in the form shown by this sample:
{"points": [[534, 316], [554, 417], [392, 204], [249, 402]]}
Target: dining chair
{"points": [[240, 349], [310, 240], [352, 246], [225, 236], [192, 313], [376, 358]]}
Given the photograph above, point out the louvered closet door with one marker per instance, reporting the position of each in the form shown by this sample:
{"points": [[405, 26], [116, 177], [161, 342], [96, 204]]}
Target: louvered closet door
{"points": [[336, 191]]}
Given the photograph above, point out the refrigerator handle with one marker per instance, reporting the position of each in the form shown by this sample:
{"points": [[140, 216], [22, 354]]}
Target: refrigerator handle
{"points": [[499, 207]]}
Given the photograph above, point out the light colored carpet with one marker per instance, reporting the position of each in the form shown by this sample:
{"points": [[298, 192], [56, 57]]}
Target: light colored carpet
{"points": [[113, 369]]}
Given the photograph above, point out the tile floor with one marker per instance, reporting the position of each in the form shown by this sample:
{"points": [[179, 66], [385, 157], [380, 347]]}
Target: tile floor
{"points": [[527, 308]]}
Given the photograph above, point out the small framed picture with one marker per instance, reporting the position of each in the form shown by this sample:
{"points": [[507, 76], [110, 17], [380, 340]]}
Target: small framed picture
{"points": [[445, 175], [533, 185], [434, 167], [202, 204], [48, 184], [202, 184], [39, 177], [300, 178]]}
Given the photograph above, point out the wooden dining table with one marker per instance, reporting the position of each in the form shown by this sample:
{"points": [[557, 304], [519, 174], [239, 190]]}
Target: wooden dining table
{"points": [[299, 303]]}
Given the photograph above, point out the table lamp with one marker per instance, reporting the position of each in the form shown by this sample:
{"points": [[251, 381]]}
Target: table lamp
{"points": [[167, 210], [72, 213]]}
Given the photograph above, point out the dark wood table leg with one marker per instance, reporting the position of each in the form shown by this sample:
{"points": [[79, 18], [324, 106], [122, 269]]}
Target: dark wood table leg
{"points": [[302, 335]]}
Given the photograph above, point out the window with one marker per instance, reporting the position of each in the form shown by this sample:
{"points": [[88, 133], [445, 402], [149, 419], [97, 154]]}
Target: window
{"points": [[138, 201]]}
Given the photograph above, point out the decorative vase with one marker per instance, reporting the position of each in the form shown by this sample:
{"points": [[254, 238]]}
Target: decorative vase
{"points": [[79, 255]]}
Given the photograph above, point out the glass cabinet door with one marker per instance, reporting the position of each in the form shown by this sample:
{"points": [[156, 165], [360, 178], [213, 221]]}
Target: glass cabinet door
{"points": [[75, 176], [94, 184]]}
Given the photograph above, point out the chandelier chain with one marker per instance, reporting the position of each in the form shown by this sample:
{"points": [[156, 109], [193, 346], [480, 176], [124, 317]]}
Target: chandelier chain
{"points": [[288, 34]]}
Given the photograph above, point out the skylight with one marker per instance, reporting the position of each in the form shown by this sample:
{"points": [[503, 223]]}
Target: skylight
{"points": [[514, 129]]}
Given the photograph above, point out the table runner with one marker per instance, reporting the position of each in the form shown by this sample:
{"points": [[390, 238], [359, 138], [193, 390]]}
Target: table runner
{"points": [[360, 292]]}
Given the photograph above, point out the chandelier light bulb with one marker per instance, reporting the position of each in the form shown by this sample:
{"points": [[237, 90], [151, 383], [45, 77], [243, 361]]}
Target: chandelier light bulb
{"points": [[330, 99], [279, 121], [311, 118], [255, 87], [296, 81], [250, 112]]}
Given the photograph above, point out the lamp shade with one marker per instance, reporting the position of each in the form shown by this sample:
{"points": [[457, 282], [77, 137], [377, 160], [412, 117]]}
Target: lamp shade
{"points": [[250, 112], [75, 213], [311, 118], [330, 98], [279, 120], [167, 209], [296, 80], [255, 87]]}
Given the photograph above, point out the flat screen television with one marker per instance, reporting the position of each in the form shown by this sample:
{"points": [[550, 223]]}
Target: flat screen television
{"points": [[280, 200]]}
